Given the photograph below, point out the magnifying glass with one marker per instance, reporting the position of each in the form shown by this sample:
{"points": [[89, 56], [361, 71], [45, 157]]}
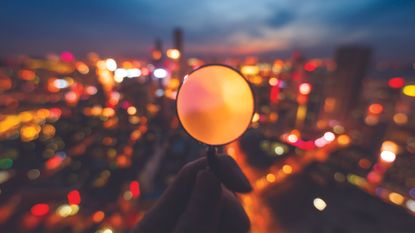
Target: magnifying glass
{"points": [[215, 105]]}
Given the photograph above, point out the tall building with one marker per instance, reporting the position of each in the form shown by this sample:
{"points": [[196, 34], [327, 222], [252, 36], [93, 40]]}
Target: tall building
{"points": [[178, 44], [343, 88], [157, 52], [178, 39]]}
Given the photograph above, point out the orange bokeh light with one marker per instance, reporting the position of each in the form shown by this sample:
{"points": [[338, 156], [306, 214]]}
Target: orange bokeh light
{"points": [[375, 108]]}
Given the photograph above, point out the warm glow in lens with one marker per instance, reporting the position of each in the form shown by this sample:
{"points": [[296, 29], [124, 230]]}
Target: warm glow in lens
{"points": [[215, 104]]}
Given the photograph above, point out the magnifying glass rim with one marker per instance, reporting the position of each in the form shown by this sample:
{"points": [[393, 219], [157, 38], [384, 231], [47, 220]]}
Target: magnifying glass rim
{"points": [[242, 76]]}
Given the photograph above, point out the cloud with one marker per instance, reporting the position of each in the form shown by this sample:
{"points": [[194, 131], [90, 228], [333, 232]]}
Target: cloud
{"points": [[211, 26]]}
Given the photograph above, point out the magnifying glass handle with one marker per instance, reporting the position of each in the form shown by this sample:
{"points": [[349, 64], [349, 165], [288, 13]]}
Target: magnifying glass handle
{"points": [[227, 171], [213, 160]]}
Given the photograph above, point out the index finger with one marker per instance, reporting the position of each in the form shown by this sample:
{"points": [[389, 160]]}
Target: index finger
{"points": [[173, 201]]}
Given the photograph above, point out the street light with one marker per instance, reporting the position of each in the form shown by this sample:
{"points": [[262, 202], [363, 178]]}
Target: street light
{"points": [[160, 73], [173, 54]]}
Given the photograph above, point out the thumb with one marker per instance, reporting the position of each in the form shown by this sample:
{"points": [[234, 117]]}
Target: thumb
{"points": [[203, 209]]}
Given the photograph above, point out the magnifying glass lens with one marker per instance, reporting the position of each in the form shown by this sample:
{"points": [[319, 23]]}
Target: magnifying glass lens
{"points": [[215, 104]]}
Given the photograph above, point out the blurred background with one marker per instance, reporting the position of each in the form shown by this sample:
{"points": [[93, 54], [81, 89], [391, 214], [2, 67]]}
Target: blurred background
{"points": [[89, 137]]}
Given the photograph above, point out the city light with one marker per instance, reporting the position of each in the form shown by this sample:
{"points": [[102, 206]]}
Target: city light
{"points": [[270, 177], [249, 70], [40, 209], [390, 146], [388, 156], [67, 56], [287, 169], [400, 118], [320, 142], [131, 110], [111, 64], [160, 73], [304, 88], [133, 73], [82, 68], [329, 136], [292, 138], [105, 230], [319, 204], [173, 54], [67, 210], [74, 197], [344, 140], [396, 198], [60, 83], [409, 90], [279, 150], [273, 81], [120, 74], [98, 216], [33, 174], [135, 189], [410, 204], [375, 108], [396, 82]]}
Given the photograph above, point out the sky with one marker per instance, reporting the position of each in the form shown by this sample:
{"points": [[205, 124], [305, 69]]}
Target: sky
{"points": [[211, 27]]}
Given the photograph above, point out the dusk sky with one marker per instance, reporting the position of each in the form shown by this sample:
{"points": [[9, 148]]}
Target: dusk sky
{"points": [[211, 27]]}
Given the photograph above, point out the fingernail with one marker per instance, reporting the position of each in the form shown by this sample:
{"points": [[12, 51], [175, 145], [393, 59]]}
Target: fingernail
{"points": [[231, 175]]}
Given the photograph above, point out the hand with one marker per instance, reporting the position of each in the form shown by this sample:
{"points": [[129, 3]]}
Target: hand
{"points": [[198, 202]]}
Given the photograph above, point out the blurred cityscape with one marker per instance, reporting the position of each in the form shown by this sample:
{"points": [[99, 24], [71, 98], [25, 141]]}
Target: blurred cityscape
{"points": [[88, 144]]}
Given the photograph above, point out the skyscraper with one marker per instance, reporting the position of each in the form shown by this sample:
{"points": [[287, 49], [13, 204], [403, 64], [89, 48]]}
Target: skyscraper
{"points": [[157, 51], [178, 44], [343, 88], [178, 39]]}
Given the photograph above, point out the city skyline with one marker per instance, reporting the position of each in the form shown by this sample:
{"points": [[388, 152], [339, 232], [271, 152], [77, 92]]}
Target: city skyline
{"points": [[231, 28]]}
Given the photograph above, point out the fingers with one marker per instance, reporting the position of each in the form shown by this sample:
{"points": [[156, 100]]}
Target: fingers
{"points": [[231, 175], [203, 209], [233, 218], [164, 215], [167, 211]]}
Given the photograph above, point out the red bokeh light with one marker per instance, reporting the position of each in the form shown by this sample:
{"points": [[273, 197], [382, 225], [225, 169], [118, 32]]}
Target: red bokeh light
{"points": [[310, 66], [396, 82], [135, 189], [74, 197], [54, 162], [273, 97], [98, 216], [40, 209], [67, 57]]}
